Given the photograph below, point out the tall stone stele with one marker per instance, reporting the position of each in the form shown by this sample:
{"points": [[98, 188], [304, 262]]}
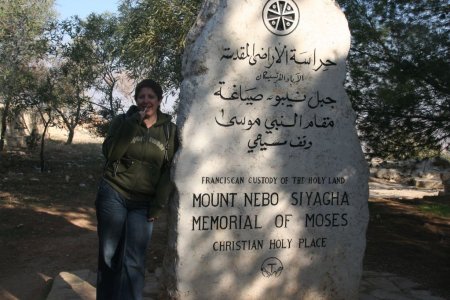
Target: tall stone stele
{"points": [[272, 183]]}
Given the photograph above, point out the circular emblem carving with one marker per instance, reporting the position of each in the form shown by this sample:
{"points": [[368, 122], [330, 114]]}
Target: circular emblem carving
{"points": [[272, 266], [281, 17]]}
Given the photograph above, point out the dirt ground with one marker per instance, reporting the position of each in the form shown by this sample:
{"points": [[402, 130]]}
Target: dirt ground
{"points": [[404, 240], [47, 225]]}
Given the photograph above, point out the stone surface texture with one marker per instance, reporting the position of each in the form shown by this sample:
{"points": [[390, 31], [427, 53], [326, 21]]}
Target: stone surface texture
{"points": [[81, 285], [73, 286], [255, 105], [373, 287]]}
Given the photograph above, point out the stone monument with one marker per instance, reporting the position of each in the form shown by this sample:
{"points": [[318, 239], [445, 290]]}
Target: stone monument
{"points": [[272, 183]]}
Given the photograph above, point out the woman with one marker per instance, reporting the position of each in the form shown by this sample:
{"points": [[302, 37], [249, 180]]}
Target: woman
{"points": [[139, 148]]}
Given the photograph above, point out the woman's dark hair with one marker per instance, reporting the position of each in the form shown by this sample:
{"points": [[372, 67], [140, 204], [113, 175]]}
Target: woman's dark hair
{"points": [[149, 83]]}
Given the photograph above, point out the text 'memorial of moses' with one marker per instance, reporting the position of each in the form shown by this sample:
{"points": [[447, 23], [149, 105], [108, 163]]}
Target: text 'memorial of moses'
{"points": [[271, 180]]}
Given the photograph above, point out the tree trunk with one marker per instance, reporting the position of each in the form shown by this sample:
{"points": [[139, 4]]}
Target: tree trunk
{"points": [[111, 99], [42, 153], [70, 137], [74, 122], [69, 124], [4, 125]]}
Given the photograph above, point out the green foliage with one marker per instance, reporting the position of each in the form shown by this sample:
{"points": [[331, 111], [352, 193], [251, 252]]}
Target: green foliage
{"points": [[439, 209], [153, 33], [22, 24], [103, 35], [398, 75], [446, 156], [52, 65], [73, 72]]}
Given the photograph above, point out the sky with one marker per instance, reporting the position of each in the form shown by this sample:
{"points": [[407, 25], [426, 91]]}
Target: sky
{"points": [[83, 8]]}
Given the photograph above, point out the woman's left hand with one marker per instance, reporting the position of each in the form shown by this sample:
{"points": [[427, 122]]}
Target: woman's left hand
{"points": [[152, 219]]}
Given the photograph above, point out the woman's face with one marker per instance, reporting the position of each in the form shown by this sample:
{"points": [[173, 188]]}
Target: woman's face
{"points": [[148, 101]]}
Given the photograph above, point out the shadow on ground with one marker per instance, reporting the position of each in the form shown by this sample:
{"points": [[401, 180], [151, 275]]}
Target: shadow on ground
{"points": [[403, 240]]}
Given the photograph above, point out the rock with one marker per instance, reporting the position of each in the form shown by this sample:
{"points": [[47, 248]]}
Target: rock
{"points": [[428, 184], [389, 174], [431, 175], [376, 162], [409, 181], [373, 172], [73, 286], [272, 183]]}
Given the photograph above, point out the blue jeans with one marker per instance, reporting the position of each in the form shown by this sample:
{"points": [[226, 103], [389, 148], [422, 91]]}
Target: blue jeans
{"points": [[124, 234]]}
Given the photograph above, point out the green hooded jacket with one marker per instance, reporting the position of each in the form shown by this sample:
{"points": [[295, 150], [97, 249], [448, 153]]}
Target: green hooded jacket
{"points": [[136, 167]]}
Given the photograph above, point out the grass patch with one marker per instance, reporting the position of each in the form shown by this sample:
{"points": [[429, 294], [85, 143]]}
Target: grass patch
{"points": [[439, 209]]}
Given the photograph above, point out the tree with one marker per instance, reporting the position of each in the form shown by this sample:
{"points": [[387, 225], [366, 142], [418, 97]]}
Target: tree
{"points": [[78, 69], [153, 33], [42, 99], [22, 23], [398, 75], [103, 35]]}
